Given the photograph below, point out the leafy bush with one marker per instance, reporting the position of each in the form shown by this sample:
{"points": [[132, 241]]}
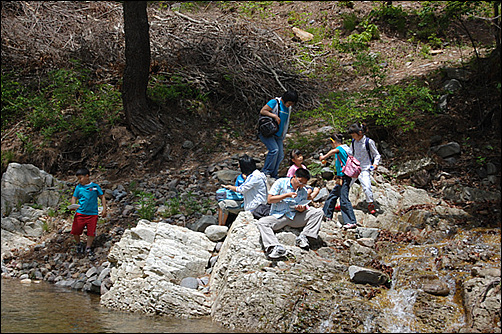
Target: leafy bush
{"points": [[146, 203], [395, 16], [388, 106], [14, 102], [67, 100], [162, 89], [349, 21], [186, 204]]}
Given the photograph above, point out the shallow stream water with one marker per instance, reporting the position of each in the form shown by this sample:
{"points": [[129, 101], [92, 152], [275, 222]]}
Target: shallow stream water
{"points": [[46, 308]]}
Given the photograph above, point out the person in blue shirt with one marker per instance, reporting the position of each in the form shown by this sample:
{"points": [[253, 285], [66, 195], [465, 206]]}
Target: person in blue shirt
{"points": [[275, 143], [231, 205], [289, 208], [87, 194], [253, 189], [342, 188]]}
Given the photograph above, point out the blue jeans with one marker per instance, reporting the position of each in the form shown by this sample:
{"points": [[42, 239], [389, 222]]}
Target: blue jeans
{"points": [[341, 192], [275, 154]]}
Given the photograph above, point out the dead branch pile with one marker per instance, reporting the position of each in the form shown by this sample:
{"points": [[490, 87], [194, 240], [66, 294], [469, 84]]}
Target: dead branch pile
{"points": [[236, 63], [239, 63], [39, 36]]}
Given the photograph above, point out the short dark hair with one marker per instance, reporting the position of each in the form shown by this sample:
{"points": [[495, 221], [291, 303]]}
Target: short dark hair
{"points": [[290, 95], [247, 164], [82, 171], [337, 137], [302, 172], [357, 127], [295, 151]]}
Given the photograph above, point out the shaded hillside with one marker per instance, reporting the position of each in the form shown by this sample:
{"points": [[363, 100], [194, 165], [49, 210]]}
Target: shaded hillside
{"points": [[223, 62]]}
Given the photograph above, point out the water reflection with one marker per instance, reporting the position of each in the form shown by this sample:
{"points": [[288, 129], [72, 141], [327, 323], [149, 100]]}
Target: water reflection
{"points": [[46, 308]]}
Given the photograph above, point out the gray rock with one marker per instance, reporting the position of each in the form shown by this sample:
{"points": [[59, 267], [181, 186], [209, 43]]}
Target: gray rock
{"points": [[447, 150], [437, 288], [190, 282], [216, 233], [365, 275]]}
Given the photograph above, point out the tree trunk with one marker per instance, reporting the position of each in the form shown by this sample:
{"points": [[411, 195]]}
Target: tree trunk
{"points": [[140, 119]]}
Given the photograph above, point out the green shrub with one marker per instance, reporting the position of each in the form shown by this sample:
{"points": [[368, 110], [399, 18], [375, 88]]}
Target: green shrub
{"points": [[395, 16], [172, 207], [14, 100], [349, 21], [186, 204], [389, 106], [7, 157], [146, 206], [67, 100]]}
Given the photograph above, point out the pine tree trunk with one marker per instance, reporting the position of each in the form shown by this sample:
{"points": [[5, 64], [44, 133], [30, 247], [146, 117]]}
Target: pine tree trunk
{"points": [[140, 119]]}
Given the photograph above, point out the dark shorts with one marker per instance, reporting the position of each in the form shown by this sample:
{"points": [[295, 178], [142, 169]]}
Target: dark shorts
{"points": [[80, 221]]}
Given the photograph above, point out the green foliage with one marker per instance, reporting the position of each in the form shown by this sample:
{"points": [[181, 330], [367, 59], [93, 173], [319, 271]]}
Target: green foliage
{"points": [[133, 187], [248, 8], [66, 100], [389, 106], [315, 168], [305, 143], [7, 158], [349, 21], [163, 89], [45, 227], [428, 20], [51, 212], [191, 204], [28, 145], [186, 204], [356, 42], [14, 101], [299, 19], [172, 207], [481, 160], [64, 201], [395, 16], [146, 205], [372, 65]]}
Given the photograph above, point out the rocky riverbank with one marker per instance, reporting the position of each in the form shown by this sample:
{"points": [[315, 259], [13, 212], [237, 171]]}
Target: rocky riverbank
{"points": [[420, 264]]}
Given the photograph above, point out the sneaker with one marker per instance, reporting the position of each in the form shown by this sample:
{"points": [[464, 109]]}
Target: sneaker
{"points": [[349, 226], [277, 252], [302, 241], [327, 219], [371, 208], [338, 208], [90, 254], [79, 248]]}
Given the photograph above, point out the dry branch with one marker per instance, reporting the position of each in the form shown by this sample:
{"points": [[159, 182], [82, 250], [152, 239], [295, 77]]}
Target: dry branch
{"points": [[238, 64]]}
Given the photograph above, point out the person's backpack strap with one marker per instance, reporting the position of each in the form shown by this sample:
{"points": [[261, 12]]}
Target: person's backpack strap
{"points": [[277, 106], [367, 144], [338, 156]]}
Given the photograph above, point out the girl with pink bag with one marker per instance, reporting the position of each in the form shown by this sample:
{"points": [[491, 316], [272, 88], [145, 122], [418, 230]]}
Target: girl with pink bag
{"points": [[342, 187]]}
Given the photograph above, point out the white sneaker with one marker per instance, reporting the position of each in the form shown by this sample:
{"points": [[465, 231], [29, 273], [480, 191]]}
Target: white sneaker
{"points": [[277, 252], [302, 241]]}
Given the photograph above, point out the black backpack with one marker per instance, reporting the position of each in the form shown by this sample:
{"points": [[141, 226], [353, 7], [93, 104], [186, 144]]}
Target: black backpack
{"points": [[268, 126]]}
